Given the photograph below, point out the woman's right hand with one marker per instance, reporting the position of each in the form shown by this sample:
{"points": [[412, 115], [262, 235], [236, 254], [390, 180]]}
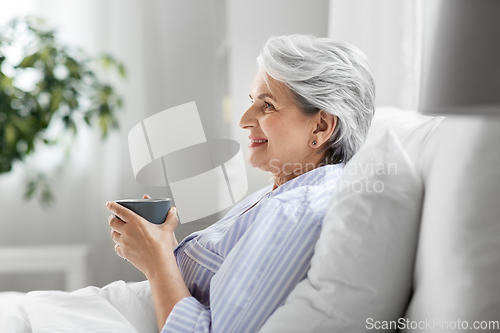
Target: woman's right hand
{"points": [[149, 247]]}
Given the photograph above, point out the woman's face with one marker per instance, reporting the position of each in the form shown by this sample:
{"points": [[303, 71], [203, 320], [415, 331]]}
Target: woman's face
{"points": [[281, 135]]}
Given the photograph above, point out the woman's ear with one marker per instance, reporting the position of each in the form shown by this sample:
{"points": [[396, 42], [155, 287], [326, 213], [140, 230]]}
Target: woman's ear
{"points": [[324, 128]]}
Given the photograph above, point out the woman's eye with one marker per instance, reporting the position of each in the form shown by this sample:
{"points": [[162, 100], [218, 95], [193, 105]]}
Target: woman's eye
{"points": [[268, 106]]}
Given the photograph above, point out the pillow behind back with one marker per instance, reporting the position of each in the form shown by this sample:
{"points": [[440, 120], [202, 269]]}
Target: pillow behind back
{"points": [[361, 272]]}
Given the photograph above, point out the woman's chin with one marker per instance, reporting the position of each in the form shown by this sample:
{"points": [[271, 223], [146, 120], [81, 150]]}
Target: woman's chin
{"points": [[254, 163]]}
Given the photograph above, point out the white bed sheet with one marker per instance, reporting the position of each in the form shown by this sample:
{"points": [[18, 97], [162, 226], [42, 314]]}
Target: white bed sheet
{"points": [[118, 307]]}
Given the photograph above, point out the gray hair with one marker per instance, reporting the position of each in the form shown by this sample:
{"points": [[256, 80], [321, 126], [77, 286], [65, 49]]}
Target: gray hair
{"points": [[325, 74]]}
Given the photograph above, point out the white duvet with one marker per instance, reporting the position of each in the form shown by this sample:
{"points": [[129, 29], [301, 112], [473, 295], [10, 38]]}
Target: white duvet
{"points": [[118, 307]]}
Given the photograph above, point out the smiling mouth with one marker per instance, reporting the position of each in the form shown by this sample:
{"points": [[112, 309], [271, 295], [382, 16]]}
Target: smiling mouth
{"points": [[256, 143]]}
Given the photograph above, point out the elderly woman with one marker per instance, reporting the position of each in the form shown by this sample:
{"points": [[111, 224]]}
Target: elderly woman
{"points": [[312, 105]]}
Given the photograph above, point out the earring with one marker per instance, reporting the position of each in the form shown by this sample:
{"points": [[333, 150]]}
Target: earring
{"points": [[314, 143]]}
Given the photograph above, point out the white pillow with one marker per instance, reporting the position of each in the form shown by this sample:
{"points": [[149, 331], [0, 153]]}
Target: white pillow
{"points": [[361, 271], [411, 128]]}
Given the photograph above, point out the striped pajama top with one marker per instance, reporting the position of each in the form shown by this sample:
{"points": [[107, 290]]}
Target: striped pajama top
{"points": [[241, 269]]}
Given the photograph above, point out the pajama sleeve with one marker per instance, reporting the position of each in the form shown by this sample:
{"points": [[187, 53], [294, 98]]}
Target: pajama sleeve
{"points": [[258, 273]]}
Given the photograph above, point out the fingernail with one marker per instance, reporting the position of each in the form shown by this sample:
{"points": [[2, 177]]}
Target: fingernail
{"points": [[107, 204]]}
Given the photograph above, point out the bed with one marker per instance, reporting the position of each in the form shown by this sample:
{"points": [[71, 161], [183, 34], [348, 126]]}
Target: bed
{"points": [[443, 261], [118, 307]]}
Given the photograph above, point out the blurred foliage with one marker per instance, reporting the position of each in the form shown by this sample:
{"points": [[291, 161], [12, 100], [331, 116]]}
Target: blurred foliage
{"points": [[67, 90]]}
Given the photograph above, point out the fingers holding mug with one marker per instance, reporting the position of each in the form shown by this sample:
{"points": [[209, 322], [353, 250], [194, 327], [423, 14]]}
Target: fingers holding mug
{"points": [[115, 236], [118, 250]]}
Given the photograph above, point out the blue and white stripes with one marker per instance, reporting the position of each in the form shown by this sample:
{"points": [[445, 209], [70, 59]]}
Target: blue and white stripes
{"points": [[242, 268]]}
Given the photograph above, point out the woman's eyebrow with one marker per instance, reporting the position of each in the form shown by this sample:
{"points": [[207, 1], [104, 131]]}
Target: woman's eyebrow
{"points": [[262, 96]]}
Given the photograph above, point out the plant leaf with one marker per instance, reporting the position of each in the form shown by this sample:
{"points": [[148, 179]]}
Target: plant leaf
{"points": [[29, 61]]}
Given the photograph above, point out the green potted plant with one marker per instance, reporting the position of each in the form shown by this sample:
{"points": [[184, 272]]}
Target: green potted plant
{"points": [[64, 88]]}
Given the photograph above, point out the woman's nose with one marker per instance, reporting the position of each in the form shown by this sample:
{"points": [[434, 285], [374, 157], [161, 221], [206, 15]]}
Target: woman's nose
{"points": [[248, 119]]}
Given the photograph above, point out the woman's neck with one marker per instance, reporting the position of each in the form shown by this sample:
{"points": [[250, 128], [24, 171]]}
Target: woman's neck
{"points": [[283, 177]]}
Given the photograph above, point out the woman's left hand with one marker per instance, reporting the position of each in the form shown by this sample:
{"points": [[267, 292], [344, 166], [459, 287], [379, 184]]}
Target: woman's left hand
{"points": [[144, 244]]}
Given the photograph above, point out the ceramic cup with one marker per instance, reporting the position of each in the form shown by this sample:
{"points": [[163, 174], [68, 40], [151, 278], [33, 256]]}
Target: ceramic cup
{"points": [[153, 210]]}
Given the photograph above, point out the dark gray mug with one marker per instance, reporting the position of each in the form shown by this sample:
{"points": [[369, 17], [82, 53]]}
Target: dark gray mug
{"points": [[153, 210]]}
